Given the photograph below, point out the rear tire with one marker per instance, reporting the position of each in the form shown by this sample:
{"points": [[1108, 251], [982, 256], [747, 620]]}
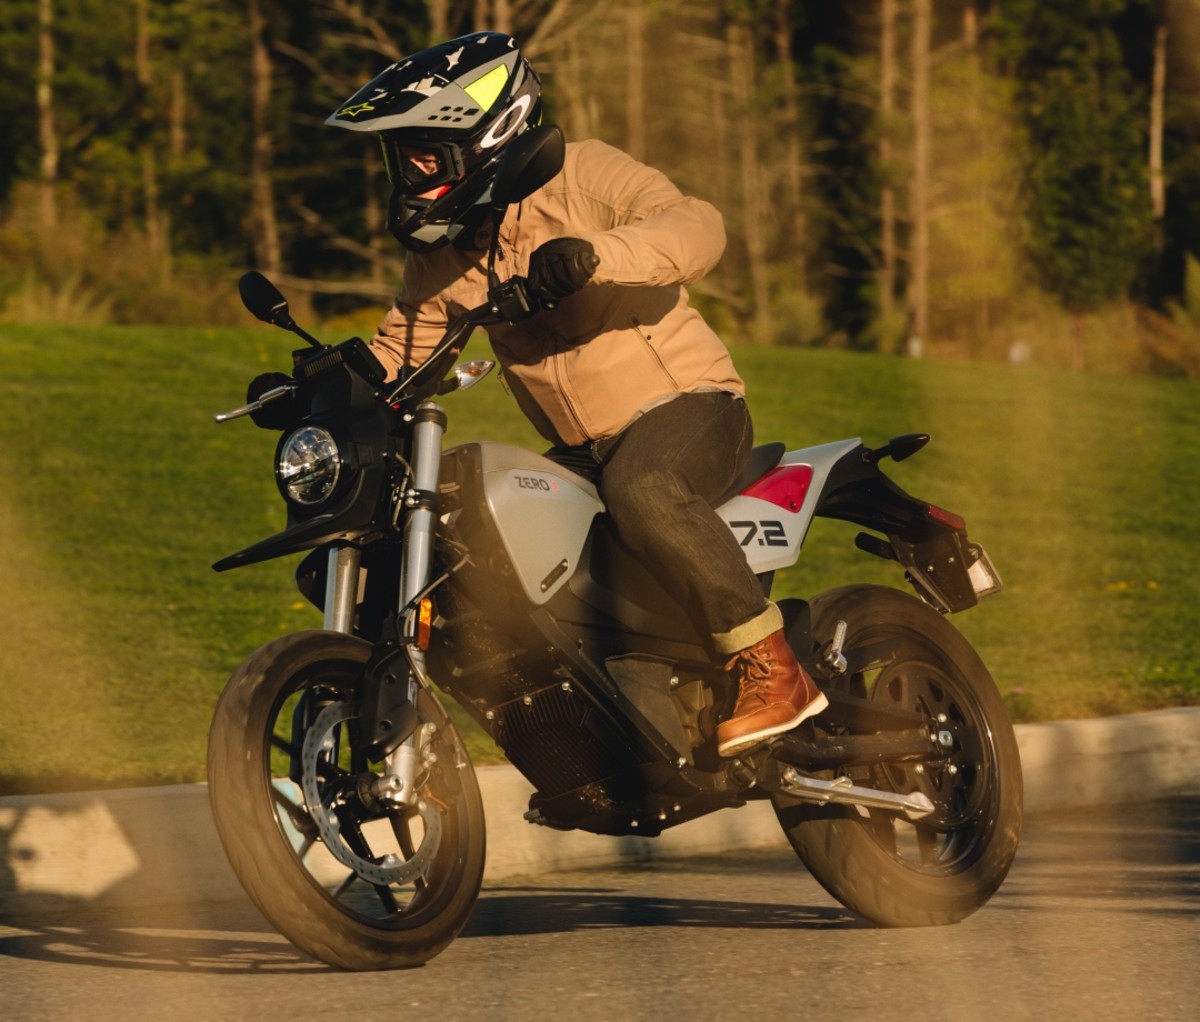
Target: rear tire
{"points": [[431, 857], [943, 867]]}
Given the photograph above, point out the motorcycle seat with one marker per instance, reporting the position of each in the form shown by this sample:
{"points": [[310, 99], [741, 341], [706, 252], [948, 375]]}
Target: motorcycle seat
{"points": [[761, 461]]}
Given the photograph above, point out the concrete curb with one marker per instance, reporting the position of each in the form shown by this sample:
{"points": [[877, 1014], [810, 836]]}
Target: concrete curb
{"points": [[156, 846]]}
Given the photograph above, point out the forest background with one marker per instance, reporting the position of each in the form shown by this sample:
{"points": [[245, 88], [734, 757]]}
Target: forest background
{"points": [[989, 179]]}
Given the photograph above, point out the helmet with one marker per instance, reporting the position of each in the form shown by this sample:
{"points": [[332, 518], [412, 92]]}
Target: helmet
{"points": [[460, 103]]}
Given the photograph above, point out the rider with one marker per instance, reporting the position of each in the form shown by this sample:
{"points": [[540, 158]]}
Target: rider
{"points": [[624, 377]]}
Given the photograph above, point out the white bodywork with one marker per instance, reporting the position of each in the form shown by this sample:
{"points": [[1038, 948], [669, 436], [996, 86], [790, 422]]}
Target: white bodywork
{"points": [[543, 513]]}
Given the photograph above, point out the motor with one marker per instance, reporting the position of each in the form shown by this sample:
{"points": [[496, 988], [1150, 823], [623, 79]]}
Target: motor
{"points": [[341, 790]]}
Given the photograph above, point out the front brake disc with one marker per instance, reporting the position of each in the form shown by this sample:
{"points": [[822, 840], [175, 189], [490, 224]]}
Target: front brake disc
{"points": [[319, 743]]}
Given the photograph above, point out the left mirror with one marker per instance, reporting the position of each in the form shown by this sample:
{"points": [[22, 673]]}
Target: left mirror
{"points": [[264, 300]]}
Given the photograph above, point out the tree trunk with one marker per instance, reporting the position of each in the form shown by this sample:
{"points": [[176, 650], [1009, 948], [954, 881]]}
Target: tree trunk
{"points": [[635, 79], [887, 191], [918, 194], [264, 228], [795, 223], [47, 132], [156, 240], [573, 94], [981, 141], [1158, 191], [722, 177], [492, 17], [742, 66], [439, 21], [178, 113], [373, 215]]}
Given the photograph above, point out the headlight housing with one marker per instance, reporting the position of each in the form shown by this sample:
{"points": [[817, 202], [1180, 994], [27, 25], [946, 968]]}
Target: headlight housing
{"points": [[308, 466]]}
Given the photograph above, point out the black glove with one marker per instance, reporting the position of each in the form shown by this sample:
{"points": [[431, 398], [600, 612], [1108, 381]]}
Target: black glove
{"points": [[561, 267], [277, 414]]}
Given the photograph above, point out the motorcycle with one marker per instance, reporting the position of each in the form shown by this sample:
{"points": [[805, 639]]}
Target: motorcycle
{"points": [[340, 787]]}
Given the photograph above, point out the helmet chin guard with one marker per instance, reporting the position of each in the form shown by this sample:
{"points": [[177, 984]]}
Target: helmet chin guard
{"points": [[443, 117], [421, 225]]}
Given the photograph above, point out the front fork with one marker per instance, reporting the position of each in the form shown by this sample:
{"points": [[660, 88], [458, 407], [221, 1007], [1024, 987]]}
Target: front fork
{"points": [[398, 781]]}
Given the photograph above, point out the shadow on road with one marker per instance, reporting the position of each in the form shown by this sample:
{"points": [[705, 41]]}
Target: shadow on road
{"points": [[234, 939], [226, 940], [525, 911], [1138, 859]]}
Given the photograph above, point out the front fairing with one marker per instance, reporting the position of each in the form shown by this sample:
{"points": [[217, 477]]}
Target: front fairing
{"points": [[369, 435]]}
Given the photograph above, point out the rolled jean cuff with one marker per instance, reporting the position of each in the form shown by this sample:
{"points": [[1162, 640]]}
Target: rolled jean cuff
{"points": [[750, 632]]}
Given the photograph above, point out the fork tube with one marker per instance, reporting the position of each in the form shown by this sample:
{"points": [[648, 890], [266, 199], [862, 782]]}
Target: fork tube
{"points": [[421, 500], [341, 588], [421, 503]]}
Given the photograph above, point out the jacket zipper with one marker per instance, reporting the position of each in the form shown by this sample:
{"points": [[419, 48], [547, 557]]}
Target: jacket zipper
{"points": [[567, 402]]}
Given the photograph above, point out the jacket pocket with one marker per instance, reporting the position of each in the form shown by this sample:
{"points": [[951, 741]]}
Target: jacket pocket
{"points": [[652, 350]]}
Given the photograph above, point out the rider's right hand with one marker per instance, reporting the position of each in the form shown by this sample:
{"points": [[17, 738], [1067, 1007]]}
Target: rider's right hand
{"points": [[561, 267]]}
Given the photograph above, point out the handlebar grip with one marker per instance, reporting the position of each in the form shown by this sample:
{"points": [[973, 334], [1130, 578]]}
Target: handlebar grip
{"points": [[589, 262]]}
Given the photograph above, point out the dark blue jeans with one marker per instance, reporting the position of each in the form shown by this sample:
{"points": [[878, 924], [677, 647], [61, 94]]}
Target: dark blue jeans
{"points": [[658, 479]]}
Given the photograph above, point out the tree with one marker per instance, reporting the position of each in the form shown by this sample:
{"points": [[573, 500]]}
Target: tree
{"points": [[47, 130], [921, 116], [1086, 203], [887, 189], [742, 67], [264, 230]]}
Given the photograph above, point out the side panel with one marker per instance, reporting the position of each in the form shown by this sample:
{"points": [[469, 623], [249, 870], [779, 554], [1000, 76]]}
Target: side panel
{"points": [[543, 513], [771, 518]]}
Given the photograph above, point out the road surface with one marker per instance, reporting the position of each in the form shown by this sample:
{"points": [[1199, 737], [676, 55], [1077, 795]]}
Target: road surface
{"points": [[1098, 920]]}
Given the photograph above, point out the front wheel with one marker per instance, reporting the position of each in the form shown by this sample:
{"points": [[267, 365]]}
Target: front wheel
{"points": [[351, 878], [942, 867]]}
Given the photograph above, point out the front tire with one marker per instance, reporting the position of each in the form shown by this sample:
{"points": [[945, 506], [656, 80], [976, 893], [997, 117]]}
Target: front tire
{"points": [[941, 868], [401, 883]]}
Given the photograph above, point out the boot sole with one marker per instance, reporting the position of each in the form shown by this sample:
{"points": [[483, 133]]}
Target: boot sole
{"points": [[744, 742]]}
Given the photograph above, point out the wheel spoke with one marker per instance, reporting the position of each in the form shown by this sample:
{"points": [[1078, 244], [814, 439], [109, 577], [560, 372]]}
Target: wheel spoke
{"points": [[403, 831], [297, 814], [927, 845], [284, 746], [387, 899], [345, 885]]}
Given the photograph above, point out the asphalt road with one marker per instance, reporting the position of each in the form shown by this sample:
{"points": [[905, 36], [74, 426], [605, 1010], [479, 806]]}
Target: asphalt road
{"points": [[1098, 920]]}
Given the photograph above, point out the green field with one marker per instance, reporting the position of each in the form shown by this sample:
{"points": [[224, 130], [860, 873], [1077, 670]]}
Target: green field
{"points": [[119, 491]]}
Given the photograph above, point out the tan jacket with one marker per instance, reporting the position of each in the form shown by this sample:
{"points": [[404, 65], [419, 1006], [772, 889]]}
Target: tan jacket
{"points": [[625, 342]]}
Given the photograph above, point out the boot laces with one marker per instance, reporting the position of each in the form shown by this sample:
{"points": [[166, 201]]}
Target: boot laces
{"points": [[752, 669]]}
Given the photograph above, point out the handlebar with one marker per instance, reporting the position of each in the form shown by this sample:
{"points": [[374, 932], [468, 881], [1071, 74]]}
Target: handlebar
{"points": [[508, 302], [274, 394]]}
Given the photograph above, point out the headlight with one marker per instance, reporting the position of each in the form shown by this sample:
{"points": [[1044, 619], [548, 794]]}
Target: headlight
{"points": [[309, 465]]}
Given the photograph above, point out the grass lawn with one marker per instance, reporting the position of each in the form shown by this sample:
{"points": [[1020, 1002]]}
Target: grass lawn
{"points": [[119, 492]]}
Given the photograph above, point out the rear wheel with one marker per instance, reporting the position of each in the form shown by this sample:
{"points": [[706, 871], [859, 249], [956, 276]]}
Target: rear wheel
{"points": [[944, 866], [350, 878]]}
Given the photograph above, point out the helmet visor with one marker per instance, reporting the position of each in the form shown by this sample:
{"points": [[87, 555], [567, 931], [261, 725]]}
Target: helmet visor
{"points": [[418, 168]]}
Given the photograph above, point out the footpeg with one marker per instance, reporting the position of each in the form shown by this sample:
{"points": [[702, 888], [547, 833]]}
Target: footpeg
{"points": [[834, 656], [843, 790]]}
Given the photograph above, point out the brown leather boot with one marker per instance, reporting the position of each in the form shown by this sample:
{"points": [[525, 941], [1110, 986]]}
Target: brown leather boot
{"points": [[774, 695]]}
